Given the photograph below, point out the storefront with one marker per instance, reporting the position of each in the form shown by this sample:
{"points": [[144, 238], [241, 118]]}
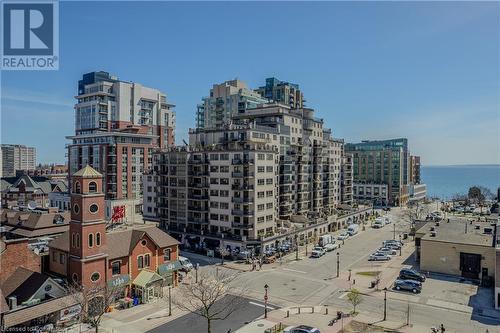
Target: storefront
{"points": [[148, 286], [169, 272], [120, 282]]}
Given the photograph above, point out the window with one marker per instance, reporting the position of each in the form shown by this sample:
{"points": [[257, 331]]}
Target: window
{"points": [[147, 260], [260, 219], [269, 193], [92, 187], [62, 258], [166, 254], [269, 205], [269, 181], [269, 168], [77, 240], [260, 169], [91, 240], [78, 188], [98, 239], [140, 262], [260, 207], [73, 240], [224, 181], [54, 256], [93, 208], [260, 195], [95, 277], [76, 209], [115, 268], [144, 242], [260, 182]]}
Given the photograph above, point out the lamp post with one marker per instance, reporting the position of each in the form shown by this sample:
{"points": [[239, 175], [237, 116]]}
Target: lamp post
{"points": [[306, 244], [385, 303], [394, 231], [169, 301], [400, 245], [338, 263], [296, 247], [265, 300]]}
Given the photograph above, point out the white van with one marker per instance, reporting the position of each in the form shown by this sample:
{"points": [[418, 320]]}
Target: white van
{"points": [[379, 223], [325, 239], [186, 264], [352, 229]]}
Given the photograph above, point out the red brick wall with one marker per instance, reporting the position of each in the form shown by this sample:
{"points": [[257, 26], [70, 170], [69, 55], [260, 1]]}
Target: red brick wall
{"points": [[123, 266], [16, 255], [56, 266]]}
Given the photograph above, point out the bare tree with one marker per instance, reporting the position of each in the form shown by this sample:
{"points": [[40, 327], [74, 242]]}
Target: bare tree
{"points": [[94, 301], [354, 297], [214, 297]]}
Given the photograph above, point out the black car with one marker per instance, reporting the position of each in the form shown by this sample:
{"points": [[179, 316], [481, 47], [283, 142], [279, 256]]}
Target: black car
{"points": [[411, 285], [410, 274]]}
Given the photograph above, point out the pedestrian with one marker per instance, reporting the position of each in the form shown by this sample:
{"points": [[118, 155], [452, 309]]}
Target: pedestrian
{"points": [[260, 263], [253, 264], [442, 328]]}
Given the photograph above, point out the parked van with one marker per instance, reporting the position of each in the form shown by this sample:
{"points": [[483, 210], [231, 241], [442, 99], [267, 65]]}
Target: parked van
{"points": [[352, 229], [326, 239], [186, 264]]}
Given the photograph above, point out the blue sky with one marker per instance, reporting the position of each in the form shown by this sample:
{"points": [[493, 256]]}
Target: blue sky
{"points": [[428, 71]]}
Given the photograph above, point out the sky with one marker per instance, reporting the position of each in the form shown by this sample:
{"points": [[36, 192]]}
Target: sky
{"points": [[428, 71]]}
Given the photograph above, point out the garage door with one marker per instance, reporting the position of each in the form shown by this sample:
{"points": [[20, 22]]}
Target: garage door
{"points": [[470, 265]]}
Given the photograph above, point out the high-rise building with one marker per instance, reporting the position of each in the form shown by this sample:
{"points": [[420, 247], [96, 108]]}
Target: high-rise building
{"points": [[225, 100], [415, 169], [382, 162], [117, 126], [17, 157], [243, 182], [282, 92]]}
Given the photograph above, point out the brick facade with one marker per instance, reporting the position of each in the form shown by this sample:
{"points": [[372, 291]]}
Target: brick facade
{"points": [[17, 254]]}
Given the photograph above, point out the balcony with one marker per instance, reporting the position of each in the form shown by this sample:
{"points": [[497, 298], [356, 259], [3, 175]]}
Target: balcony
{"points": [[239, 174], [198, 185], [198, 196], [198, 173], [242, 161], [239, 212], [241, 225], [242, 200], [242, 187], [196, 208]]}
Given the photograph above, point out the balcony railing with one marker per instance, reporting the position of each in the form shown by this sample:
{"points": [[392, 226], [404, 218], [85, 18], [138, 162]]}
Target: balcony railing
{"points": [[239, 212], [242, 187], [243, 199]]}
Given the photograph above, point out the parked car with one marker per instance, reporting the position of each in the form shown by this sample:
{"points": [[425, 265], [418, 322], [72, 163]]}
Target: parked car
{"points": [[352, 229], [387, 250], [413, 286], [393, 244], [387, 220], [317, 252], [301, 329], [186, 264], [377, 256], [343, 235], [331, 246], [410, 274], [243, 255]]}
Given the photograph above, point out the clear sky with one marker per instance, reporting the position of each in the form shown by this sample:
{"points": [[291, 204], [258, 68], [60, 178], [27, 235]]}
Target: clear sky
{"points": [[427, 71]]}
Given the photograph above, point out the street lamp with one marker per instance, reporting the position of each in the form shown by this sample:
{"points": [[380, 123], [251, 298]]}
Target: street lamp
{"points": [[296, 247], [265, 300], [394, 232], [400, 245], [385, 303], [306, 244], [338, 263], [169, 301]]}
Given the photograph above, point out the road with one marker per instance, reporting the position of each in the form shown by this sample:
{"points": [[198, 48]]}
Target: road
{"points": [[247, 311]]}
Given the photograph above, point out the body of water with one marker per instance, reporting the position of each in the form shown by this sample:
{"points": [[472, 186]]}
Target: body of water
{"points": [[446, 181]]}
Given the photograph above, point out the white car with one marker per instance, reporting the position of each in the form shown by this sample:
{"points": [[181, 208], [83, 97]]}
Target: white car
{"points": [[377, 256], [301, 329], [317, 252], [343, 236], [331, 246], [186, 264], [387, 250]]}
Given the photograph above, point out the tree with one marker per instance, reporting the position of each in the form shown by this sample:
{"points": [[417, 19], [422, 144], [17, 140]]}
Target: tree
{"points": [[354, 297], [94, 301], [475, 194], [214, 297]]}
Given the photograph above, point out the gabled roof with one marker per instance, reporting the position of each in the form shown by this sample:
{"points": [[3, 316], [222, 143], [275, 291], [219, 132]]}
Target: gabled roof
{"points": [[23, 284], [88, 172], [33, 223]]}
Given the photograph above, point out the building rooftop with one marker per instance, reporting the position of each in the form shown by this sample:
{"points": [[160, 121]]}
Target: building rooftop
{"points": [[88, 172], [459, 231]]}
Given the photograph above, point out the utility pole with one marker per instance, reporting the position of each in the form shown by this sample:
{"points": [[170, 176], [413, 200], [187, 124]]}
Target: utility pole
{"points": [[400, 245], [408, 315], [394, 231]]}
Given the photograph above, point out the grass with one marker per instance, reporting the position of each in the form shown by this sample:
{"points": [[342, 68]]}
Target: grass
{"points": [[373, 273]]}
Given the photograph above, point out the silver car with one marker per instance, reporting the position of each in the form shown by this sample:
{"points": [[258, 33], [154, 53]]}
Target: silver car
{"points": [[377, 256]]}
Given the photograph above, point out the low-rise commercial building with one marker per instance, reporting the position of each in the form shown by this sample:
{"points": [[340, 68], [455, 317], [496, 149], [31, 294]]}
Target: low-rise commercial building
{"points": [[458, 247], [418, 192], [376, 194]]}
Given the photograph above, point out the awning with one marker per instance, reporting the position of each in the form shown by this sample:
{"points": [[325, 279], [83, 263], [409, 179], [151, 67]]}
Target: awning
{"points": [[167, 268], [119, 280], [146, 278]]}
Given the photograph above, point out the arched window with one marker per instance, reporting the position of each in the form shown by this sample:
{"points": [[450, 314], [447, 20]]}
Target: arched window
{"points": [[75, 277], [77, 240], [73, 240], [98, 239], [91, 240], [140, 262], [78, 188], [92, 187], [147, 260]]}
